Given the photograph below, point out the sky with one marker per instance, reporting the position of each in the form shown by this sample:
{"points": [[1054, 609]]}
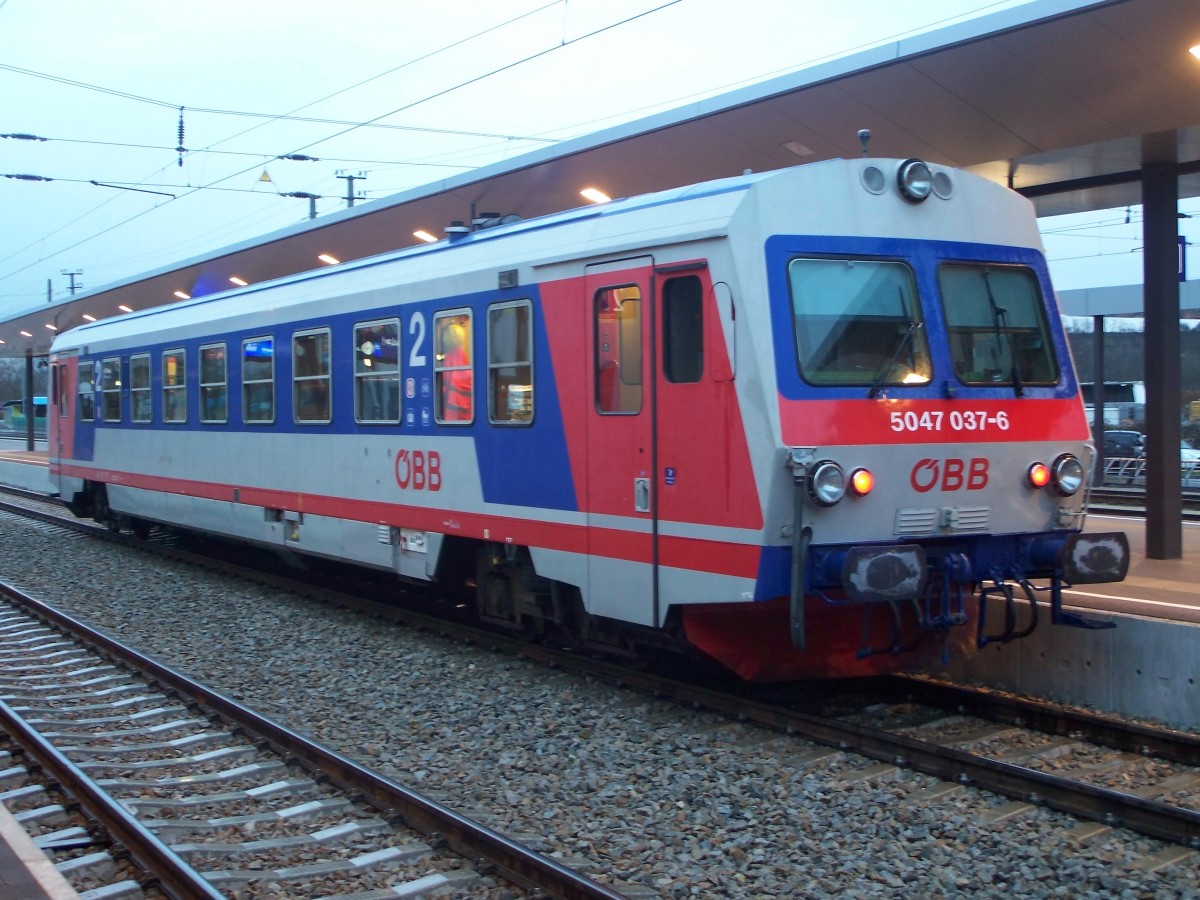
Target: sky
{"points": [[404, 93]]}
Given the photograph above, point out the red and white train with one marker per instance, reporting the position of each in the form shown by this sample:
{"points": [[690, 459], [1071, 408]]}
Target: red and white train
{"points": [[810, 421]]}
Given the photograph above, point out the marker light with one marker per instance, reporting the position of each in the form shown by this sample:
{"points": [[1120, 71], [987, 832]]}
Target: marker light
{"points": [[826, 483], [1038, 475], [914, 180], [861, 482], [1067, 474]]}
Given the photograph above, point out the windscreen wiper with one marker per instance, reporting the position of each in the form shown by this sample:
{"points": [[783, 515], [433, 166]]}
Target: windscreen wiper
{"points": [[999, 321], [905, 340]]}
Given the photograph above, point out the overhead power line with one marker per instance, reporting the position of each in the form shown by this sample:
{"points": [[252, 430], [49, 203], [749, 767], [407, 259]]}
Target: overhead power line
{"points": [[296, 157]]}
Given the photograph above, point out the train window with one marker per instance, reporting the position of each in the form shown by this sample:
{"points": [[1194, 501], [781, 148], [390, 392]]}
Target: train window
{"points": [[87, 392], [258, 380], [453, 375], [618, 324], [214, 385], [996, 321], [110, 388], [139, 387], [377, 372], [510, 363], [683, 330], [858, 322], [311, 375], [60, 389], [174, 385]]}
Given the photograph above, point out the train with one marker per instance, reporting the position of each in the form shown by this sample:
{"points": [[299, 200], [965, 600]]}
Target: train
{"points": [[815, 422]]}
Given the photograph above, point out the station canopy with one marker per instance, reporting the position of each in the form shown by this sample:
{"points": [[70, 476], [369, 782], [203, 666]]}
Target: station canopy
{"points": [[1062, 100]]}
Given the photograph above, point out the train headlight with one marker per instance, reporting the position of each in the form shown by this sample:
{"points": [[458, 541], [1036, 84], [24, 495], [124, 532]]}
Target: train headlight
{"points": [[1038, 475], [1066, 474], [861, 482], [826, 483], [915, 180]]}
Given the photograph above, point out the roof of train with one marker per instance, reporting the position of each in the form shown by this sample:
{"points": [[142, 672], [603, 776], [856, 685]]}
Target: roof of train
{"points": [[611, 229], [584, 233]]}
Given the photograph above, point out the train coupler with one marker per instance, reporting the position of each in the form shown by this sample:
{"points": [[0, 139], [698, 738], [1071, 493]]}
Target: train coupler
{"points": [[1010, 632]]}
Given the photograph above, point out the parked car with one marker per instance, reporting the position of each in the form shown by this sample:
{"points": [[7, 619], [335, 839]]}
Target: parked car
{"points": [[1124, 444]]}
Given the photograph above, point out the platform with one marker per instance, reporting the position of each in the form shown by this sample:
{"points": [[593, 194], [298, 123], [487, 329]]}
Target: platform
{"points": [[26, 873]]}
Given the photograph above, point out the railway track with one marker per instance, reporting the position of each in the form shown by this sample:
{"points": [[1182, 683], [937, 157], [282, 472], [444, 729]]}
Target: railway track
{"points": [[1036, 755], [211, 799]]}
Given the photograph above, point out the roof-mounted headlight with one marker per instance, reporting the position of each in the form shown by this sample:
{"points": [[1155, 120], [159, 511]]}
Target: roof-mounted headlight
{"points": [[915, 180], [826, 483]]}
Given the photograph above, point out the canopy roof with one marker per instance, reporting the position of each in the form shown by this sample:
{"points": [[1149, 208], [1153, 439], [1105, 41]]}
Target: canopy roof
{"points": [[1063, 100]]}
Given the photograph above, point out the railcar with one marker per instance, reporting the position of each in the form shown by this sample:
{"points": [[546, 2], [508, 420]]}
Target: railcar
{"points": [[813, 422]]}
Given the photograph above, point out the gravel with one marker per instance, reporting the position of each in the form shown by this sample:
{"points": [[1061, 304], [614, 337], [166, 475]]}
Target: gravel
{"points": [[635, 791]]}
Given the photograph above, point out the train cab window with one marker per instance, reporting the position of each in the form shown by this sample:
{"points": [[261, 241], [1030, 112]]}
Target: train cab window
{"points": [[311, 377], [258, 380], [174, 386], [87, 392], [214, 385], [996, 320], [453, 373], [510, 363], [139, 387], [617, 318], [377, 372], [858, 322], [110, 388], [683, 330]]}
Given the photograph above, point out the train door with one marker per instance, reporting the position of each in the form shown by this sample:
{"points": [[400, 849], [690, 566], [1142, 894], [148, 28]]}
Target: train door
{"points": [[621, 467]]}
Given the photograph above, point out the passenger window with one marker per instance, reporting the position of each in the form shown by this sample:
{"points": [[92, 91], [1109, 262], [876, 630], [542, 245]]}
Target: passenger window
{"points": [[87, 392], [60, 388], [377, 372], [110, 388], [139, 387], [683, 330], [454, 379], [311, 377], [618, 323], [510, 363], [214, 387], [174, 386], [258, 380]]}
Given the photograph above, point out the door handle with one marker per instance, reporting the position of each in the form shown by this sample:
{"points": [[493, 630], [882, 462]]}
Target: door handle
{"points": [[641, 495]]}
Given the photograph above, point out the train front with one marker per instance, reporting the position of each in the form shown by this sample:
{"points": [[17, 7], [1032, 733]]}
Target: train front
{"points": [[929, 482]]}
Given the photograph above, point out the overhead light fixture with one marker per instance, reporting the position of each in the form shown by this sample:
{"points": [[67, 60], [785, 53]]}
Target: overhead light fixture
{"points": [[423, 235], [1195, 51], [26, 333], [595, 195], [238, 281], [798, 148], [124, 308], [52, 327], [326, 258], [89, 317], [182, 296]]}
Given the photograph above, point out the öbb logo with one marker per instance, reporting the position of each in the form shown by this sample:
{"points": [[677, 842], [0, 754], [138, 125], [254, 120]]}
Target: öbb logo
{"points": [[949, 475]]}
